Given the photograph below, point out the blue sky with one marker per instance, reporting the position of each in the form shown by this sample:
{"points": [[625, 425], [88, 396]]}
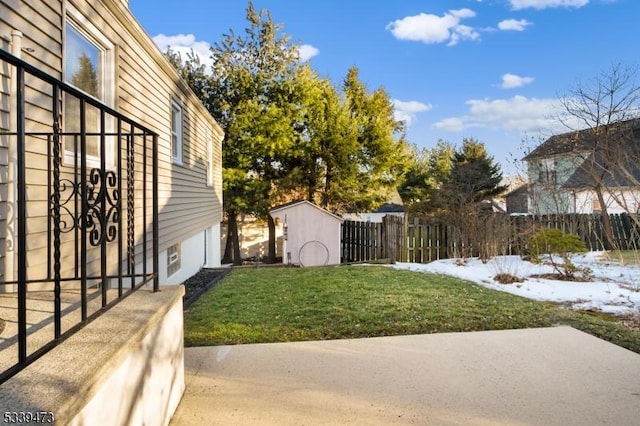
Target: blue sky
{"points": [[488, 69]]}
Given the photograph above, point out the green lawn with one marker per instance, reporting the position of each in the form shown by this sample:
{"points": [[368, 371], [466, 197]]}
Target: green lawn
{"points": [[626, 257], [252, 305]]}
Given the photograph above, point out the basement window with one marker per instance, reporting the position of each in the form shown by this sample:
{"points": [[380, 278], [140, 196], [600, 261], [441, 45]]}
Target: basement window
{"points": [[173, 259]]}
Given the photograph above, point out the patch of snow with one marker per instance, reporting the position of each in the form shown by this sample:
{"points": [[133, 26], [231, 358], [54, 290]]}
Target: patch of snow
{"points": [[613, 288]]}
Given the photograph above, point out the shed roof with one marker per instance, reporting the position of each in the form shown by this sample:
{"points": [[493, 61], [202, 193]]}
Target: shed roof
{"points": [[295, 204]]}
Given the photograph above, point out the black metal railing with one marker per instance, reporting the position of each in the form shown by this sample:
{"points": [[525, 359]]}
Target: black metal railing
{"points": [[100, 210]]}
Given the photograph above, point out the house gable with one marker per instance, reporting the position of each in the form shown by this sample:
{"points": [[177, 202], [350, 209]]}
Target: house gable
{"points": [[575, 162]]}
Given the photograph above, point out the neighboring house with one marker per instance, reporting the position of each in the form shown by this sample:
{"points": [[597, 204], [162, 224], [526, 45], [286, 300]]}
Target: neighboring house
{"points": [[577, 172], [517, 201], [253, 235], [98, 47], [391, 209]]}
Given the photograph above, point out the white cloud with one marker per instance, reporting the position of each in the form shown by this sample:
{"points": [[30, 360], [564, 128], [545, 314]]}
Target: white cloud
{"points": [[452, 124], [183, 44], [307, 52], [513, 24], [511, 81], [544, 4], [406, 111], [430, 29], [518, 113]]}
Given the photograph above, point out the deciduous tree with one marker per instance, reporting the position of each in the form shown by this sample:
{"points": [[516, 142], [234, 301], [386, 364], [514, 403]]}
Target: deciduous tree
{"points": [[604, 113]]}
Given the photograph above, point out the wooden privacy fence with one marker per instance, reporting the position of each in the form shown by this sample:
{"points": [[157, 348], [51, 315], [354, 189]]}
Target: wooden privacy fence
{"points": [[366, 241], [423, 240]]}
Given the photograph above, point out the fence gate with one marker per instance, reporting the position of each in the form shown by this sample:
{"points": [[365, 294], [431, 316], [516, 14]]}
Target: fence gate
{"points": [[367, 241]]}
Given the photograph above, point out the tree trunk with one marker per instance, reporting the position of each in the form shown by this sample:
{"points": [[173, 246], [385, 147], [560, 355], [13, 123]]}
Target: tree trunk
{"points": [[228, 253], [271, 247], [327, 186], [610, 243], [232, 247], [311, 190]]}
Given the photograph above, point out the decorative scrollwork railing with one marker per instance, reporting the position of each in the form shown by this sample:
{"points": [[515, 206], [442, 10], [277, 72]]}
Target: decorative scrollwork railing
{"points": [[98, 218]]}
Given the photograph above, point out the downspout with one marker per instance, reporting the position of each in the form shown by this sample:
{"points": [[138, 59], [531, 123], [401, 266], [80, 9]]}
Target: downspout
{"points": [[10, 272], [286, 258]]}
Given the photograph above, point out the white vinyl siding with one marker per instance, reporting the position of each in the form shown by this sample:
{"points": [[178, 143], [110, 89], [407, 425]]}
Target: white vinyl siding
{"points": [[143, 85]]}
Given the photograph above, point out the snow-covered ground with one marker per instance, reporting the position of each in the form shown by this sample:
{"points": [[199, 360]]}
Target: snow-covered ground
{"points": [[613, 288]]}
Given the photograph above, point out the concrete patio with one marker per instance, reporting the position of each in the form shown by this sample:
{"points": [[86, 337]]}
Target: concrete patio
{"points": [[551, 376]]}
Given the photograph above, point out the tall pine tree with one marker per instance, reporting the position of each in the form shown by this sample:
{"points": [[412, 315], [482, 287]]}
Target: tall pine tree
{"points": [[474, 177]]}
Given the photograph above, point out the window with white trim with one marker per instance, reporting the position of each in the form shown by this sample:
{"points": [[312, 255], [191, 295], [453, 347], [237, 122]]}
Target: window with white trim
{"points": [[173, 259], [209, 159], [176, 132], [88, 65]]}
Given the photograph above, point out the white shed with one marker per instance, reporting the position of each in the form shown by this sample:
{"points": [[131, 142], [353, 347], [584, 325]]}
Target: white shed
{"points": [[311, 234]]}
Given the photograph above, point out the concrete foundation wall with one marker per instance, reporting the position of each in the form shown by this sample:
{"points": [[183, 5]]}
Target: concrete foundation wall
{"points": [[197, 251], [125, 367]]}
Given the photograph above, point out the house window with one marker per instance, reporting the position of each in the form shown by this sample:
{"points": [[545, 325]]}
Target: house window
{"points": [[547, 176], [176, 132], [596, 207], [547, 171], [88, 64], [209, 160], [173, 259]]}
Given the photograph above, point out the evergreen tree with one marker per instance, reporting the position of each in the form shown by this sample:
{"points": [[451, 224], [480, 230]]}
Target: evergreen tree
{"points": [[288, 132], [382, 154], [474, 177], [86, 78], [250, 94], [428, 171]]}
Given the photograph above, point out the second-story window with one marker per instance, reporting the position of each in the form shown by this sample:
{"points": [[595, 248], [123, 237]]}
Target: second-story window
{"points": [[176, 132], [547, 171]]}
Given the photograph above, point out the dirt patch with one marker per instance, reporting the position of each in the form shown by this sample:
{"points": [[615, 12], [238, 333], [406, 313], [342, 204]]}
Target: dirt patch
{"points": [[561, 277], [631, 322], [506, 278]]}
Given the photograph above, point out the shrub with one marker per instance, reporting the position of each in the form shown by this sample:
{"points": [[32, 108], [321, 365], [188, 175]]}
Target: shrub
{"points": [[507, 278], [554, 241]]}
